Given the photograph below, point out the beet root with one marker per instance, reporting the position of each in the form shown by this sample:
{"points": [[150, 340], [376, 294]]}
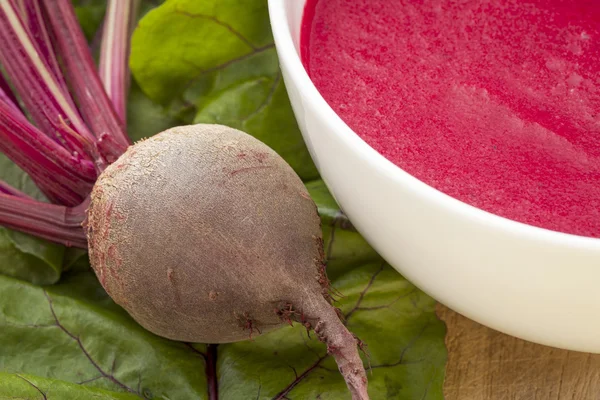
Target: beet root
{"points": [[204, 234]]}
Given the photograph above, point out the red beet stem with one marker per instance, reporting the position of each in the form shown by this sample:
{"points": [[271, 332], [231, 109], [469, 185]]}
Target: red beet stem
{"points": [[63, 156], [43, 93], [5, 188], [63, 177], [48, 221], [80, 70], [114, 52], [33, 18]]}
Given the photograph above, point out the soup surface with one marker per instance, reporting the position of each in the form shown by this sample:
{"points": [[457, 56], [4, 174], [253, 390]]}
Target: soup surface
{"points": [[493, 102]]}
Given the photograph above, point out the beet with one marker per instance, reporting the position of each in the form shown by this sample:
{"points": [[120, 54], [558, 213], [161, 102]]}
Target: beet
{"points": [[204, 234]]}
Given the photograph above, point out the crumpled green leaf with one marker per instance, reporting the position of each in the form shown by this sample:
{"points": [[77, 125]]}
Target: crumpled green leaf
{"points": [[72, 333], [24, 256], [214, 61]]}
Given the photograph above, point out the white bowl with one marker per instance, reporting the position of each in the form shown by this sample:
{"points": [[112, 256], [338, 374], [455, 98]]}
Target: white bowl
{"points": [[526, 281]]}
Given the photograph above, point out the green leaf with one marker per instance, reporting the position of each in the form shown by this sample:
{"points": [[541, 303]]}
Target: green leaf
{"points": [[214, 61], [76, 259], [73, 333], [145, 118], [17, 178], [28, 387], [23, 256]]}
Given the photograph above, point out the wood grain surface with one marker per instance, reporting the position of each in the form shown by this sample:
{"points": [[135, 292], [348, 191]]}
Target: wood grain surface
{"points": [[484, 364]]}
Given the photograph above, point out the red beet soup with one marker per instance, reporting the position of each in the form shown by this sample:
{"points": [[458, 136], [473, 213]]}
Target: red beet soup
{"points": [[493, 102]]}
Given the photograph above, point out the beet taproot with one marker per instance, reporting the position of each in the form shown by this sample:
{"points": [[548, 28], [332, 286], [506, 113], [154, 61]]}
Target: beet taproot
{"points": [[204, 234]]}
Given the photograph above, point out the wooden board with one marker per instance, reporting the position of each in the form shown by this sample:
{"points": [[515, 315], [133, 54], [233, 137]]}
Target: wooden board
{"points": [[484, 364]]}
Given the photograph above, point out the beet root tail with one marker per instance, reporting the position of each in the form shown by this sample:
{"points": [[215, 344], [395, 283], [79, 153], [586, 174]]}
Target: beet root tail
{"points": [[342, 345]]}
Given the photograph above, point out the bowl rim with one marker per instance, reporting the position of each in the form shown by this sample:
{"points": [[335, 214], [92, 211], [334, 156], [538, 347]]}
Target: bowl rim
{"points": [[291, 58]]}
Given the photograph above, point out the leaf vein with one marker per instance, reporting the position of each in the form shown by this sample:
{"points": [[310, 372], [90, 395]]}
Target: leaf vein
{"points": [[34, 386], [283, 394], [267, 100], [77, 340], [217, 21], [410, 344], [364, 292], [202, 72], [374, 308]]}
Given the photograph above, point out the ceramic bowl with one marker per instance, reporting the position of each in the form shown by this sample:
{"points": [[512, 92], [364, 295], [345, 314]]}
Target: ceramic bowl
{"points": [[533, 283]]}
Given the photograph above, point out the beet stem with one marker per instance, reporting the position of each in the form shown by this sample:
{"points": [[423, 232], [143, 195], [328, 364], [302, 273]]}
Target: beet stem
{"points": [[8, 189], [56, 223], [44, 95], [80, 70], [342, 345], [33, 18], [64, 178], [211, 372], [114, 52]]}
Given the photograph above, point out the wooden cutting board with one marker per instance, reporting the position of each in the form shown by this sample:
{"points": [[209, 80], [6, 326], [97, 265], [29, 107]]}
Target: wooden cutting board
{"points": [[484, 364]]}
